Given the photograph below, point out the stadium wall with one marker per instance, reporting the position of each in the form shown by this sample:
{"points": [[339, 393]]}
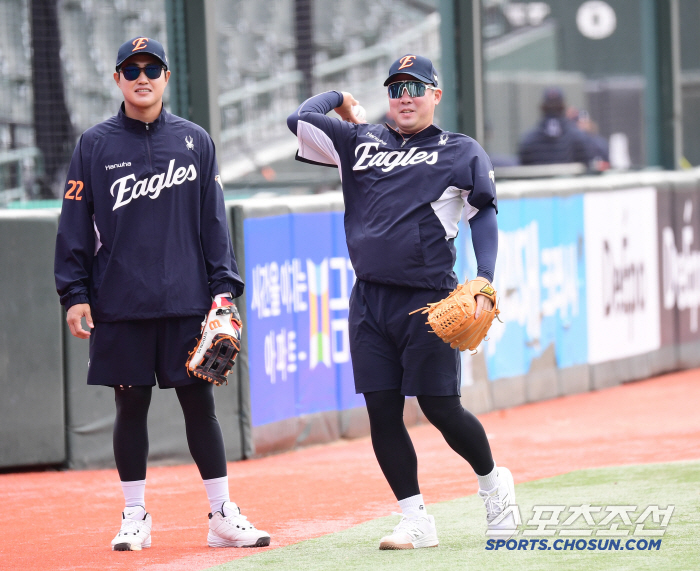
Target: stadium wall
{"points": [[599, 283]]}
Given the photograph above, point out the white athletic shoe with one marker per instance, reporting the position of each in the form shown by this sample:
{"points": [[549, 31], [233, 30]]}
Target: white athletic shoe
{"points": [[135, 532], [234, 530], [501, 522], [412, 533]]}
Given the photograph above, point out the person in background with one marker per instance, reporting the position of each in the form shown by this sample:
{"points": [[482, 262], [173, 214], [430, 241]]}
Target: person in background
{"points": [[556, 139]]}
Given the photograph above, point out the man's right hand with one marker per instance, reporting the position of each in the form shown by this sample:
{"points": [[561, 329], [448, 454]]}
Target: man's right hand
{"points": [[75, 314], [345, 110]]}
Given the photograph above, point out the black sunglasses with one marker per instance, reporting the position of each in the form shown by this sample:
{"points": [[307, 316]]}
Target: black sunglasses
{"points": [[414, 88], [132, 72]]}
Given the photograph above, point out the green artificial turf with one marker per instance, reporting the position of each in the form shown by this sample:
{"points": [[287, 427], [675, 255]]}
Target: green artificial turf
{"points": [[461, 524]]}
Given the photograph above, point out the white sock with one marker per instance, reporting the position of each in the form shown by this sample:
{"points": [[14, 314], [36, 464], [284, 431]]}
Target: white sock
{"points": [[135, 512], [490, 481], [217, 492], [134, 493], [413, 506]]}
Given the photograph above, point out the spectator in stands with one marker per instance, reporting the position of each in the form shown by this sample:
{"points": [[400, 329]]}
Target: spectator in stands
{"points": [[556, 139]]}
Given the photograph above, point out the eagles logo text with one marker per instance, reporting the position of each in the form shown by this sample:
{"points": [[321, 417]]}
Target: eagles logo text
{"points": [[150, 186], [390, 159]]}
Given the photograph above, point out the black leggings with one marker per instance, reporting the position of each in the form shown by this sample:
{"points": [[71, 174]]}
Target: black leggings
{"points": [[204, 437], [394, 449]]}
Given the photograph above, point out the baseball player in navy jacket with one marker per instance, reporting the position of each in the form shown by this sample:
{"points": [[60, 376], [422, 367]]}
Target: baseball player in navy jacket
{"points": [[142, 247], [405, 191]]}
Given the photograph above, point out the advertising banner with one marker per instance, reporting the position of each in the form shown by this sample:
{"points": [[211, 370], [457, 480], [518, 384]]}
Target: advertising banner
{"points": [[680, 262], [540, 279], [666, 230], [299, 279], [621, 273]]}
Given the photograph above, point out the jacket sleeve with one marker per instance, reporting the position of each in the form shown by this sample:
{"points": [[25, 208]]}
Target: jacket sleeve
{"points": [[320, 137], [475, 174], [75, 242], [222, 270], [484, 229]]}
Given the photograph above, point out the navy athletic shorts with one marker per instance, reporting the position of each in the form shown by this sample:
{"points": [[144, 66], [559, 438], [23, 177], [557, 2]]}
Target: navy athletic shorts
{"points": [[139, 352], [391, 349]]}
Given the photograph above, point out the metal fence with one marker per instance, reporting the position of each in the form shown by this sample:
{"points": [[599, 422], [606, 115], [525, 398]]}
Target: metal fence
{"points": [[56, 64], [56, 73], [257, 94]]}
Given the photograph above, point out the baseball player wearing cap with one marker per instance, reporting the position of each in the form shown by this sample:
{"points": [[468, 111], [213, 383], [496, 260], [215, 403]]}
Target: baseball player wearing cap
{"points": [[142, 247], [404, 192]]}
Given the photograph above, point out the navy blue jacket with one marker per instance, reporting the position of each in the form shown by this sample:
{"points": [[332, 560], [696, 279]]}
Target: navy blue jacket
{"points": [[143, 231], [403, 198], [555, 140]]}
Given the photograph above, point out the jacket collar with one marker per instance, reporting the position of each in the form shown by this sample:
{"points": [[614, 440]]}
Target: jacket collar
{"points": [[140, 126], [429, 131]]}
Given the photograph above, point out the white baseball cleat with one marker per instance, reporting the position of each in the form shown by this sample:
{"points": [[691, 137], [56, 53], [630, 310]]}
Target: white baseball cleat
{"points": [[135, 532], [412, 533], [234, 530], [501, 521]]}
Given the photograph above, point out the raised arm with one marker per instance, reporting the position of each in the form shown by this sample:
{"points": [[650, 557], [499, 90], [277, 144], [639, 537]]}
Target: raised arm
{"points": [[320, 137]]}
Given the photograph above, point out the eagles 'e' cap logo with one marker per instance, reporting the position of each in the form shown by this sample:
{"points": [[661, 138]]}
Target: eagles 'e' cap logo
{"points": [[406, 61], [189, 143], [139, 44], [443, 139]]}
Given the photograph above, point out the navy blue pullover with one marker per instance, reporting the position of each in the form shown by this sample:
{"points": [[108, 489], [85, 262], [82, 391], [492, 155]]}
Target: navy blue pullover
{"points": [[143, 231], [404, 196], [555, 140]]}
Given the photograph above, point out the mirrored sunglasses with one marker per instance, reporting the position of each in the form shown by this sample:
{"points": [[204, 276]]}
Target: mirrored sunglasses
{"points": [[414, 89], [132, 72]]}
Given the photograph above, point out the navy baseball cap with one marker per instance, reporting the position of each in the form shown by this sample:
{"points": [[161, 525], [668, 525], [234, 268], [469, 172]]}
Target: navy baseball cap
{"points": [[141, 45], [418, 66], [553, 95]]}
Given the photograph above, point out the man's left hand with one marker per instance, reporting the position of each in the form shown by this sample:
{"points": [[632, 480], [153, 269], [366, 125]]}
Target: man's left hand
{"points": [[482, 302]]}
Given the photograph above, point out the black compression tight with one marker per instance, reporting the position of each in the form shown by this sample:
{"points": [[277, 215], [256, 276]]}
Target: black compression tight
{"points": [[204, 436], [394, 449]]}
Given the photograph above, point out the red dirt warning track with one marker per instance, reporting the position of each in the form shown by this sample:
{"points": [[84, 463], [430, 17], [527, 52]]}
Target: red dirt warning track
{"points": [[65, 520]]}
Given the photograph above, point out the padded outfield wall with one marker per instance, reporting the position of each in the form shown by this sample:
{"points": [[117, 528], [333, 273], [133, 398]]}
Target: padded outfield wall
{"points": [[598, 279], [48, 414], [599, 284]]}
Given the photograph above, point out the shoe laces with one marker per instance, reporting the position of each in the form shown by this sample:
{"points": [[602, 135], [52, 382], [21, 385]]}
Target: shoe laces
{"points": [[238, 520], [409, 524], [130, 526], [494, 502]]}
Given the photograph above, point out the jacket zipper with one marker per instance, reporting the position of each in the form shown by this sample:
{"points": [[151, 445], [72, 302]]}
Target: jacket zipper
{"points": [[148, 146], [404, 141]]}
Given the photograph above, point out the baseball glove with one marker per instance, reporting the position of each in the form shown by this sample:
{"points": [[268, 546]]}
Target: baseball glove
{"points": [[214, 355], [452, 318]]}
